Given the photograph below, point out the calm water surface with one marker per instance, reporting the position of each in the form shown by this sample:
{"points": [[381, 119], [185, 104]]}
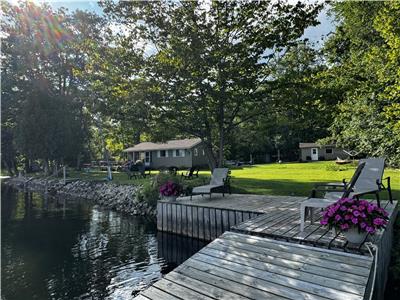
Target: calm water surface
{"points": [[69, 249]]}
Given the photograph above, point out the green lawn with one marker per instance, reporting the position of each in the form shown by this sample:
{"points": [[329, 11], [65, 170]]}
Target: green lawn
{"points": [[297, 178], [275, 179]]}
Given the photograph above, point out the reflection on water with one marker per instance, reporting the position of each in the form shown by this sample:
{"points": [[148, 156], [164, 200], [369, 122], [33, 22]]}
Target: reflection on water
{"points": [[69, 249]]}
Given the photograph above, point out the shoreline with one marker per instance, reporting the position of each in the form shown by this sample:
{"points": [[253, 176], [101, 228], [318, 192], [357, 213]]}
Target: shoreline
{"points": [[121, 198]]}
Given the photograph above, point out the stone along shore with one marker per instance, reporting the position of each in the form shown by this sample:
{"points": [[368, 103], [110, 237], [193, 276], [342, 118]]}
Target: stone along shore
{"points": [[122, 198]]}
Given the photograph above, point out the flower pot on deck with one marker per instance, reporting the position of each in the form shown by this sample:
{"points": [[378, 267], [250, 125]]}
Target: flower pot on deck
{"points": [[169, 198], [354, 236]]}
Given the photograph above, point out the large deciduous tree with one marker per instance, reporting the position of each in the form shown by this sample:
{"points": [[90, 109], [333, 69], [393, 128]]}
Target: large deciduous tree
{"points": [[365, 59], [205, 61], [44, 54]]}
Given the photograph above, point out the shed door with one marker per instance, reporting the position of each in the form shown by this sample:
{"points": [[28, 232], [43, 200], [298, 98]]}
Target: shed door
{"points": [[314, 153]]}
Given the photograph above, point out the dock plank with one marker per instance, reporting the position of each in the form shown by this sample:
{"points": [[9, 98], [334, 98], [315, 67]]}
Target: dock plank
{"points": [[179, 291], [239, 266], [211, 290], [298, 288]]}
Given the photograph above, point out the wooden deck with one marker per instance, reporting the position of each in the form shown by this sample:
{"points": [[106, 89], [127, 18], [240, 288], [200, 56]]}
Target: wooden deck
{"points": [[242, 202], [239, 266], [284, 223], [255, 220], [207, 219]]}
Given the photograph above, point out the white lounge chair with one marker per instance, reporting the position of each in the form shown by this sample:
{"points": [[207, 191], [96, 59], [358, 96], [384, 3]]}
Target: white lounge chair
{"points": [[369, 182], [219, 182], [344, 192]]}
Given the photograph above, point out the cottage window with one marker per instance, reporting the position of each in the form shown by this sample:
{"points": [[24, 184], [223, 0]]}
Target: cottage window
{"points": [[195, 152], [162, 153], [179, 153], [328, 150]]}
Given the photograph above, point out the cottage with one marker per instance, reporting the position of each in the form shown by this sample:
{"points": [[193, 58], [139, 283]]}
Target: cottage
{"points": [[184, 153], [313, 151]]}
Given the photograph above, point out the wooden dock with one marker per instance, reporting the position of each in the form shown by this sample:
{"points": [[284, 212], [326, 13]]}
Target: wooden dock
{"points": [[206, 219], [240, 266], [264, 232]]}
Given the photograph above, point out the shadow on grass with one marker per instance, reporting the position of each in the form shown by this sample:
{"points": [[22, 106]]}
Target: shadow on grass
{"points": [[285, 187]]}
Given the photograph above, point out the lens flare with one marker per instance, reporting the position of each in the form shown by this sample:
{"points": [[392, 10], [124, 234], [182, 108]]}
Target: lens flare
{"points": [[48, 31]]}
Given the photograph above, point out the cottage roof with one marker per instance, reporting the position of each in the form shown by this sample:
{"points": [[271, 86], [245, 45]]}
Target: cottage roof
{"points": [[313, 145], [169, 145]]}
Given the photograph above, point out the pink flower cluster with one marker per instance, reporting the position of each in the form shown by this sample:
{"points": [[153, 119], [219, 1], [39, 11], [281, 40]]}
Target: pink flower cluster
{"points": [[346, 213], [170, 189]]}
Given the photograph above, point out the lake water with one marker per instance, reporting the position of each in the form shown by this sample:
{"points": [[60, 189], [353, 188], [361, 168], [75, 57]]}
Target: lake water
{"points": [[70, 249]]}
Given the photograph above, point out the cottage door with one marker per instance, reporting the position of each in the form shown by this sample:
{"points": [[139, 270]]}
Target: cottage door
{"points": [[314, 153], [147, 159]]}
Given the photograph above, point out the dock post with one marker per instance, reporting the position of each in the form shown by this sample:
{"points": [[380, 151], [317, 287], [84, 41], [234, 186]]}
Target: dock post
{"points": [[64, 175]]}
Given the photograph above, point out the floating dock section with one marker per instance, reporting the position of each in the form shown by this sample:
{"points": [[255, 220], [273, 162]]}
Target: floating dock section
{"points": [[239, 266]]}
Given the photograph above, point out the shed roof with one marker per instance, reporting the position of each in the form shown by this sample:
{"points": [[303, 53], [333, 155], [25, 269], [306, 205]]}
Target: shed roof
{"points": [[313, 145], [169, 145]]}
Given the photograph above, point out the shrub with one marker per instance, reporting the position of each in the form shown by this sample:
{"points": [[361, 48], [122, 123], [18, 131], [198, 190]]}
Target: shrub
{"points": [[161, 178], [188, 185], [148, 193]]}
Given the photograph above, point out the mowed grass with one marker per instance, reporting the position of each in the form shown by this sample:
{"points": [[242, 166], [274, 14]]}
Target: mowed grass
{"points": [[297, 178]]}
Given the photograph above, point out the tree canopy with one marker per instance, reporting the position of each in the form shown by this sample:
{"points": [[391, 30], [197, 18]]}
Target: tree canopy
{"points": [[365, 57], [207, 62], [44, 95], [237, 74]]}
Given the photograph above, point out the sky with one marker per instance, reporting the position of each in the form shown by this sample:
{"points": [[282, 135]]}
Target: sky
{"points": [[314, 34]]}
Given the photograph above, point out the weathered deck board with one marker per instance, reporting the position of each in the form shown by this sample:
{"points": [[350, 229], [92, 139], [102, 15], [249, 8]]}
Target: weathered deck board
{"points": [[239, 266], [278, 218], [285, 224], [207, 219]]}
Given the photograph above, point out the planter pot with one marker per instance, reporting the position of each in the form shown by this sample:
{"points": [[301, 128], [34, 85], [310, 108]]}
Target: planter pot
{"points": [[355, 237], [169, 198]]}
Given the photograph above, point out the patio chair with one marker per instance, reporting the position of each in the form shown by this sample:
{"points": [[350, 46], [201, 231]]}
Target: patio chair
{"points": [[190, 173], [220, 182], [369, 182], [345, 190]]}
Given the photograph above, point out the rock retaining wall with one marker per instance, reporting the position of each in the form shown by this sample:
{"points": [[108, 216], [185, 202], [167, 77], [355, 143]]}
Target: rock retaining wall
{"points": [[122, 198]]}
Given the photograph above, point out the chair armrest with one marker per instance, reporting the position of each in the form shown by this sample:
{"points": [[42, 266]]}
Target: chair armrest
{"points": [[330, 185], [227, 180], [380, 182]]}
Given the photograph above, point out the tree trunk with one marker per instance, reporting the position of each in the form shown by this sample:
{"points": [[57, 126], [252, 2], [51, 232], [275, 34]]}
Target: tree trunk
{"points": [[221, 148], [27, 165], [221, 141], [136, 138], [78, 162], [55, 169], [210, 155], [14, 166], [8, 167], [46, 166]]}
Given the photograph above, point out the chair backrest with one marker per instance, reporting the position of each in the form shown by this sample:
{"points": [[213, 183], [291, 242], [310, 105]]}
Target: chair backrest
{"points": [[354, 179], [219, 175], [372, 172]]}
